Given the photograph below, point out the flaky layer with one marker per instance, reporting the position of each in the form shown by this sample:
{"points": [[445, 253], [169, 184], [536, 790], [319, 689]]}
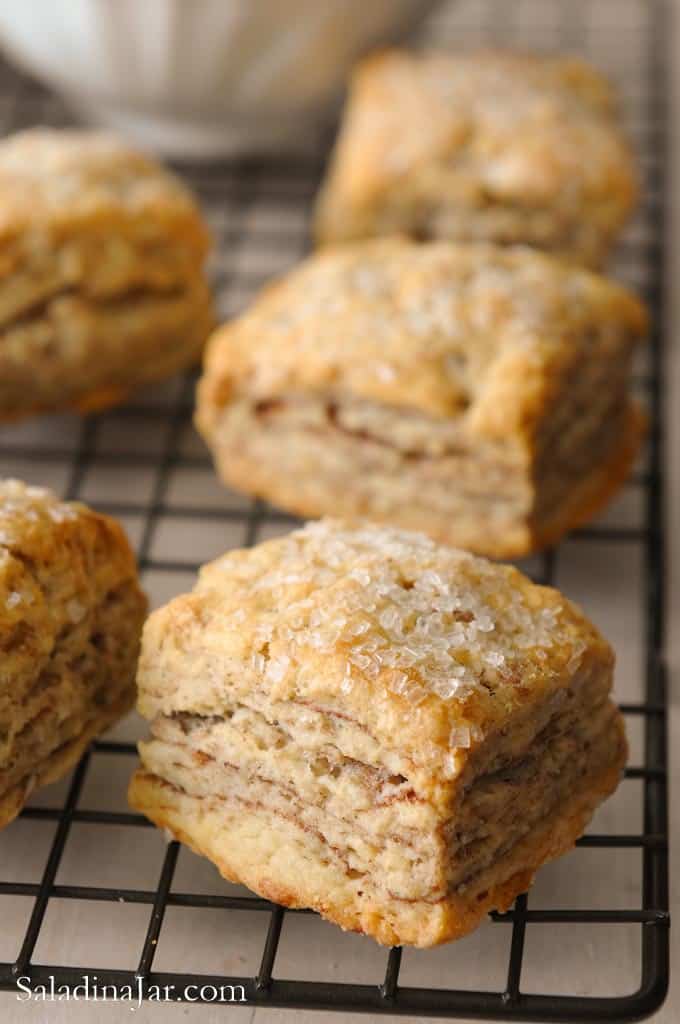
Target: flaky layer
{"points": [[58, 763], [408, 841], [287, 865], [484, 501], [90, 668], [75, 353]]}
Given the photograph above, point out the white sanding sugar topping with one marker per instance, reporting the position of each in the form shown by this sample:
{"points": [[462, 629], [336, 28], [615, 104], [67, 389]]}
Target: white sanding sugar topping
{"points": [[374, 317], [420, 618], [30, 503], [15, 490]]}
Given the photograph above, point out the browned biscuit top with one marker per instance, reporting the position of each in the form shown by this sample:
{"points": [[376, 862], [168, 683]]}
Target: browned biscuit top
{"points": [[415, 641], [68, 182], [472, 331]]}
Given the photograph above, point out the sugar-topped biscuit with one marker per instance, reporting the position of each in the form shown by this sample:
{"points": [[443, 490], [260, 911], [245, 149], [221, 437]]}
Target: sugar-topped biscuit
{"points": [[494, 146], [395, 734], [476, 392], [102, 282]]}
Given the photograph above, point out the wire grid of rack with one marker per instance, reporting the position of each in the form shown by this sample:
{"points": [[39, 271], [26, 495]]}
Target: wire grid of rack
{"points": [[259, 210]]}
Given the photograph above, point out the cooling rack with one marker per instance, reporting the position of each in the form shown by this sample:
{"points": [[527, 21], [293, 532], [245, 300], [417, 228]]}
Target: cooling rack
{"points": [[143, 463]]}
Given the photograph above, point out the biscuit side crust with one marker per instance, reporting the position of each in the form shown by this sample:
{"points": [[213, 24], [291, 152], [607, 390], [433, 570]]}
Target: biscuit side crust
{"points": [[591, 496], [270, 858], [71, 614]]}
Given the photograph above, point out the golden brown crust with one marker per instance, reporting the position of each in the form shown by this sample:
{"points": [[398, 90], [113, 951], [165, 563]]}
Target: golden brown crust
{"points": [[480, 146], [102, 283], [476, 331], [70, 182], [37, 528], [71, 614], [301, 618]]}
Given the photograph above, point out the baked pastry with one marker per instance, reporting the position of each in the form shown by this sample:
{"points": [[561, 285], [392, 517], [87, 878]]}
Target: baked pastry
{"points": [[476, 392], [102, 286], [497, 147], [393, 733], [71, 614]]}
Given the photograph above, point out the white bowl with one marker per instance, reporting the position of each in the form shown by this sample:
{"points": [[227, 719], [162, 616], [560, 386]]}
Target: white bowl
{"points": [[201, 78]]}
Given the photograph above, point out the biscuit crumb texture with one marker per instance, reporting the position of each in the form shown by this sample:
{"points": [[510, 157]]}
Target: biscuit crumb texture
{"points": [[355, 719]]}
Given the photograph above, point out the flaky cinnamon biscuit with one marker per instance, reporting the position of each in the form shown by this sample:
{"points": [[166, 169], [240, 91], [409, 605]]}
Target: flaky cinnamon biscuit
{"points": [[500, 147], [71, 614], [102, 283], [395, 734], [476, 392]]}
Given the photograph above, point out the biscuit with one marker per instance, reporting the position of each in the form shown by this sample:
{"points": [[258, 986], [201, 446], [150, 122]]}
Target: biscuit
{"points": [[498, 147], [102, 283], [395, 734], [71, 614], [478, 393]]}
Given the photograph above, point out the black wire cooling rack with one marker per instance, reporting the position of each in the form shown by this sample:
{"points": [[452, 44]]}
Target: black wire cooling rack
{"points": [[142, 463]]}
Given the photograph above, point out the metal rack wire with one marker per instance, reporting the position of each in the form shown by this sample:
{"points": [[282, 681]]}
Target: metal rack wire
{"points": [[259, 210]]}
